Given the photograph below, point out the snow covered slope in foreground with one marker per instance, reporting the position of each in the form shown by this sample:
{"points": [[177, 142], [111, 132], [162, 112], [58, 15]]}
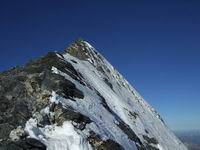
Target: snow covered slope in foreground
{"points": [[97, 110]]}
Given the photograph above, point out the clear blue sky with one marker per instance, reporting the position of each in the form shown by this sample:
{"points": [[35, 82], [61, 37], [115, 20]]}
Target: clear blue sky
{"points": [[155, 44]]}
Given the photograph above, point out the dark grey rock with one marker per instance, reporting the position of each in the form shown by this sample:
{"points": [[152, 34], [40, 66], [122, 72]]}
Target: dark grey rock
{"points": [[26, 90], [99, 144]]}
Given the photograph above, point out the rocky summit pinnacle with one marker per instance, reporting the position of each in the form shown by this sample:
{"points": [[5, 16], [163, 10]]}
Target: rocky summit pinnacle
{"points": [[76, 100]]}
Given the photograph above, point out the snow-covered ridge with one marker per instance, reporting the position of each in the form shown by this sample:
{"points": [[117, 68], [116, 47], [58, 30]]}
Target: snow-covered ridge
{"points": [[116, 110]]}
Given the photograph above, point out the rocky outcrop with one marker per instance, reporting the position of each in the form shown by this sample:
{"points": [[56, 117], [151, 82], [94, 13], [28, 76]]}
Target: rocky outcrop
{"points": [[25, 91]]}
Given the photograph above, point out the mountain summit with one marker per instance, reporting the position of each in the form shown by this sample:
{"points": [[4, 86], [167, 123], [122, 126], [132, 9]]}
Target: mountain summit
{"points": [[76, 100]]}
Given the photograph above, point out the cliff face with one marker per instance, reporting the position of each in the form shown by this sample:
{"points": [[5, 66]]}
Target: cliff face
{"points": [[76, 101]]}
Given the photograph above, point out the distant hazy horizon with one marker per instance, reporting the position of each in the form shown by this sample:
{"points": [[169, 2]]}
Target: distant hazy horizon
{"points": [[190, 138]]}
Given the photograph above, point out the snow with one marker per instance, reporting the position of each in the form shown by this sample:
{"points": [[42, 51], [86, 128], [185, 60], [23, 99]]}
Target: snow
{"points": [[31, 128], [54, 98], [64, 137], [122, 100], [88, 45], [45, 110], [91, 106], [160, 147]]}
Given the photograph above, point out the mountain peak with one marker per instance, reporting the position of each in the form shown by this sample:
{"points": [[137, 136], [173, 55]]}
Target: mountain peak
{"points": [[83, 50], [77, 100], [80, 49]]}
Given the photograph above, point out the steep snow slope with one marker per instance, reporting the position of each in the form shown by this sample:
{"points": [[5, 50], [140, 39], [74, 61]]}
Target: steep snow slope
{"points": [[117, 112]]}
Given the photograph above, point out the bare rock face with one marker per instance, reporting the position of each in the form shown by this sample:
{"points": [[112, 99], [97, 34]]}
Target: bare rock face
{"points": [[76, 100], [78, 50], [24, 92]]}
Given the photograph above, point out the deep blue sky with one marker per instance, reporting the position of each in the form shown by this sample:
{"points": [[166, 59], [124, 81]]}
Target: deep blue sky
{"points": [[155, 44]]}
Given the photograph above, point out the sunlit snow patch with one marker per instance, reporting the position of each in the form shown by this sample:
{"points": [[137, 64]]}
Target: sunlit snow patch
{"points": [[64, 137]]}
